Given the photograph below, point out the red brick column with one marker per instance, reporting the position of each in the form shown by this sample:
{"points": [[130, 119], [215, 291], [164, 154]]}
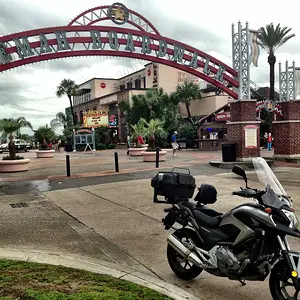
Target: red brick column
{"points": [[242, 114], [286, 132]]}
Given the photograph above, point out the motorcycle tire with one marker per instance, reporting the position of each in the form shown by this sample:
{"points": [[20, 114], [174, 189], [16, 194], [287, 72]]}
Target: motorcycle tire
{"points": [[174, 258], [279, 275]]}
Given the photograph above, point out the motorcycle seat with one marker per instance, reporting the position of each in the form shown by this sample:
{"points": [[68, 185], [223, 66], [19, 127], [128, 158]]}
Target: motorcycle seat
{"points": [[204, 216]]}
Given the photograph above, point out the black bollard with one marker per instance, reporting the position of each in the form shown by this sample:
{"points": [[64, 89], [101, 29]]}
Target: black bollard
{"points": [[157, 158], [68, 165], [116, 162]]}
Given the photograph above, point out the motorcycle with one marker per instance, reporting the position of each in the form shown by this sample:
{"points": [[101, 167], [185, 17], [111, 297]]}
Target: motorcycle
{"points": [[245, 244]]}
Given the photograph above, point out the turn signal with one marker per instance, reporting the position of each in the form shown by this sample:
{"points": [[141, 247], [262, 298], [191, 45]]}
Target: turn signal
{"points": [[268, 210], [294, 274]]}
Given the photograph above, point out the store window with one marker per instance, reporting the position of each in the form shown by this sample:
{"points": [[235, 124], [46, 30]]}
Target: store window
{"points": [[81, 117]]}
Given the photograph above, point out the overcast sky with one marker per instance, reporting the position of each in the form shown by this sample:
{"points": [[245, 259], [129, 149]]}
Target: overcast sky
{"points": [[29, 91]]}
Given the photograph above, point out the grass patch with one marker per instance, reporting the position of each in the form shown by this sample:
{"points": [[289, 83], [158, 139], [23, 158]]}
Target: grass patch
{"points": [[33, 281]]}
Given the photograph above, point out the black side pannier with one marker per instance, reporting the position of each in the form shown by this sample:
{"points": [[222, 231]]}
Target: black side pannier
{"points": [[174, 186], [207, 194]]}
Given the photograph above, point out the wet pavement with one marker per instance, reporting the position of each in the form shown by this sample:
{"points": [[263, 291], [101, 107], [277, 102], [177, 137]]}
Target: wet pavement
{"points": [[113, 218]]}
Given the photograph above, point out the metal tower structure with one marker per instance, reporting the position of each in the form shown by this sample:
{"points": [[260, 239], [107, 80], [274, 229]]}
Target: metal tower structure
{"points": [[241, 59], [287, 82]]}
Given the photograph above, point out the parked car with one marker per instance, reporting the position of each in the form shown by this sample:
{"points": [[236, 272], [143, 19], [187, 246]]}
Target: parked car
{"points": [[21, 145]]}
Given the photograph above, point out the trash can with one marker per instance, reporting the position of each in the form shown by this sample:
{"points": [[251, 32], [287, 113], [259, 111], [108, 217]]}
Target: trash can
{"points": [[228, 152]]}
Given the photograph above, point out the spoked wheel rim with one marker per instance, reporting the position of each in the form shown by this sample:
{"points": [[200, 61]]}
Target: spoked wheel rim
{"points": [[287, 287]]}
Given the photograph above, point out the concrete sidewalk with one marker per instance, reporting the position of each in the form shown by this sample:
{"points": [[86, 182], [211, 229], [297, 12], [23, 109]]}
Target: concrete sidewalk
{"points": [[118, 222], [100, 267]]}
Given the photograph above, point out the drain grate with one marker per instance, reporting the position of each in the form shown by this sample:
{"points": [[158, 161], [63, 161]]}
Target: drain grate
{"points": [[18, 205]]}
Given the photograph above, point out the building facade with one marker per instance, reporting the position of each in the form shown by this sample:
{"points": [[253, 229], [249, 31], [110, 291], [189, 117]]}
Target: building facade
{"points": [[106, 93]]}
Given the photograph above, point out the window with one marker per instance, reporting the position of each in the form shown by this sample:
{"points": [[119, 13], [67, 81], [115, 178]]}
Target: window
{"points": [[81, 117], [83, 139], [129, 85], [87, 110], [137, 83], [95, 108], [89, 139], [122, 87]]}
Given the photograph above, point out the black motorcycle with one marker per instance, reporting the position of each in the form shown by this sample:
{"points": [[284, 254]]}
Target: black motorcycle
{"points": [[247, 243]]}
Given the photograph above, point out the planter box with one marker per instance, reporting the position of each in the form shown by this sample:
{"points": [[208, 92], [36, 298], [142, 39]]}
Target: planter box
{"points": [[151, 156], [136, 151], [44, 153], [10, 166]]}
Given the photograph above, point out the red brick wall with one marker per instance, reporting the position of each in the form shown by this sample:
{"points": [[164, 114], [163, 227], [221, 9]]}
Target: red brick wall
{"points": [[290, 110], [286, 138], [242, 111], [287, 135], [236, 134]]}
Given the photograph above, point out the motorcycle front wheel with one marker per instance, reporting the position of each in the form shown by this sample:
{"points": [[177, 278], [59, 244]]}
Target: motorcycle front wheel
{"points": [[281, 284], [181, 267]]}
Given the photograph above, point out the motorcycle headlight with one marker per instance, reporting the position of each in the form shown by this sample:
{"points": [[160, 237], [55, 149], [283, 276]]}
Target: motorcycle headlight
{"points": [[293, 218]]}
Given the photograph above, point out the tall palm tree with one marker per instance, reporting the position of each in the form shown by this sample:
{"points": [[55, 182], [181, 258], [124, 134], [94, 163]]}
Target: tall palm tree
{"points": [[186, 93], [68, 87], [10, 126], [61, 119], [270, 39]]}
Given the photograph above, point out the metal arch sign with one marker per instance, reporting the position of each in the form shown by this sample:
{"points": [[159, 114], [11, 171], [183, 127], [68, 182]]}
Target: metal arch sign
{"points": [[83, 38]]}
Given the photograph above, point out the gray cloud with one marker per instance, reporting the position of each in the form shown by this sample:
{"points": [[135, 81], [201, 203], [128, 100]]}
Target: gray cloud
{"points": [[19, 16]]}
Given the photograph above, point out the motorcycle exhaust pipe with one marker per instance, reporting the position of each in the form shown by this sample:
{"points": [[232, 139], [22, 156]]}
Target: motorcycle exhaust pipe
{"points": [[184, 251]]}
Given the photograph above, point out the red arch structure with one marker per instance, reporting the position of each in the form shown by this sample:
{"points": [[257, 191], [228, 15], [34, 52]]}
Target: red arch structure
{"points": [[83, 36]]}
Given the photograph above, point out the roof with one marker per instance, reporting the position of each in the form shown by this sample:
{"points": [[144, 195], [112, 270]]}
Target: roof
{"points": [[201, 121]]}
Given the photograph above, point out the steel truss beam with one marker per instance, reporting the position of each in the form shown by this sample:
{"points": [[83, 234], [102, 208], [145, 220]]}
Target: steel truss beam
{"points": [[287, 82], [241, 60]]}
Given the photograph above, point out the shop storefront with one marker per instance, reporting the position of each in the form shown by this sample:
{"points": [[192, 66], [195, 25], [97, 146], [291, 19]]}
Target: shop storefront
{"points": [[213, 130]]}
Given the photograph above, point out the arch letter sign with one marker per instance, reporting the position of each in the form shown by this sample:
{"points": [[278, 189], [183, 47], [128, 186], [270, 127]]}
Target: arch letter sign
{"points": [[83, 36]]}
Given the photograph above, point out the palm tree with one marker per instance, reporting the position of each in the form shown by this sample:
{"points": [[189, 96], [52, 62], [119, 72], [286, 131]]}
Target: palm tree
{"points": [[138, 130], [61, 119], [68, 87], [270, 39], [186, 93], [154, 129], [10, 126], [43, 135]]}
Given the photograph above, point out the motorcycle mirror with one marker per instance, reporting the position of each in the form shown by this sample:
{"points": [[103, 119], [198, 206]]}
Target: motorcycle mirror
{"points": [[240, 172]]}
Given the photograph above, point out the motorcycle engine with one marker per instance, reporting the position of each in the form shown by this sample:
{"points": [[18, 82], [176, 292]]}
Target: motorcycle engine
{"points": [[227, 261]]}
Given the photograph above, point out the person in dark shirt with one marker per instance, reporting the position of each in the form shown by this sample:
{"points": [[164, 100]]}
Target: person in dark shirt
{"points": [[174, 142]]}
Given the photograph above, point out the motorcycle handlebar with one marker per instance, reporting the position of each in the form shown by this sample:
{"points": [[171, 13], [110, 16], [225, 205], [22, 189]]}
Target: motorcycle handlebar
{"points": [[246, 193]]}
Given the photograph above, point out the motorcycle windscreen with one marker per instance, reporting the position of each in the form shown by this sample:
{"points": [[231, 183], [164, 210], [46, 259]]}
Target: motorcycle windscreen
{"points": [[267, 177]]}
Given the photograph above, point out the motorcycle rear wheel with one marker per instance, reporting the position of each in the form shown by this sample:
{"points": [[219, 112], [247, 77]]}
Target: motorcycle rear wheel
{"points": [[181, 267], [280, 283]]}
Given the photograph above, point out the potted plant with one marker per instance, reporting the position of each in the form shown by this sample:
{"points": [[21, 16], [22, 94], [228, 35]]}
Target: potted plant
{"points": [[13, 162], [138, 131], [44, 135], [154, 129]]}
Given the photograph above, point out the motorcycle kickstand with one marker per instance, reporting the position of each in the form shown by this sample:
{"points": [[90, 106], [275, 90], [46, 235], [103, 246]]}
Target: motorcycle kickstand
{"points": [[243, 282]]}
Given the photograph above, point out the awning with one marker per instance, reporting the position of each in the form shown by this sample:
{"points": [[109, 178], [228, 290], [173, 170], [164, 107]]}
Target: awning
{"points": [[202, 120], [129, 79]]}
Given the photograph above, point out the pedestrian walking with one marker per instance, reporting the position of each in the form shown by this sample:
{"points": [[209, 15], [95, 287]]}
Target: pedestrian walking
{"points": [[175, 146]]}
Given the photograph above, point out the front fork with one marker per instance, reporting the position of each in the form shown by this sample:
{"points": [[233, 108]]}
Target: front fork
{"points": [[292, 259]]}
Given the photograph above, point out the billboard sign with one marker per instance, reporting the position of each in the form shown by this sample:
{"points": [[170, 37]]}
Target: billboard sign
{"points": [[95, 118]]}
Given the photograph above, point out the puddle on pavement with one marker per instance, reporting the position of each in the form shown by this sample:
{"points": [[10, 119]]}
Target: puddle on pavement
{"points": [[24, 187]]}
